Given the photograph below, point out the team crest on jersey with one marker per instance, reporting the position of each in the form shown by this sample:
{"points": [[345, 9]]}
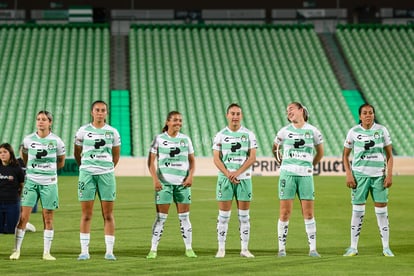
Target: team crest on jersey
{"points": [[182, 143], [243, 138], [108, 135], [307, 135], [50, 146], [376, 135]]}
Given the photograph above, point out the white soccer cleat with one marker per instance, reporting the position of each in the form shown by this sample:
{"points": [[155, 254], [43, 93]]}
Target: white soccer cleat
{"points": [[15, 255], [48, 257], [246, 254], [30, 227], [220, 253]]}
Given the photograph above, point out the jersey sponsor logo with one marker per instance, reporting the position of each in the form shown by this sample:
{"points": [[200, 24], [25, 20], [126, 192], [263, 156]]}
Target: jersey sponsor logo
{"points": [[41, 166], [169, 164], [41, 153], [97, 156], [298, 143], [233, 159], [235, 146], [99, 143], [174, 151], [369, 144]]}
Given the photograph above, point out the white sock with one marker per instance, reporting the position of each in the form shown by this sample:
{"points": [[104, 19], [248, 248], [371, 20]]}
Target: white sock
{"points": [[47, 240], [358, 213], [310, 227], [382, 219], [109, 242], [244, 221], [186, 229], [84, 242], [19, 236], [157, 230], [222, 227], [282, 232]]}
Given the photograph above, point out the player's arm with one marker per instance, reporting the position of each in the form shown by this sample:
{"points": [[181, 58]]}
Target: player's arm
{"points": [[24, 156], [390, 164], [251, 158], [153, 171], [188, 181], [116, 152], [221, 166], [350, 181], [77, 153], [276, 153], [60, 161], [319, 154]]}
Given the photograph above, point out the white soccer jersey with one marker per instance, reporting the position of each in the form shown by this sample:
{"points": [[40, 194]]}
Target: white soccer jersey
{"points": [[172, 157], [298, 146], [42, 156], [97, 144], [368, 149], [234, 147]]}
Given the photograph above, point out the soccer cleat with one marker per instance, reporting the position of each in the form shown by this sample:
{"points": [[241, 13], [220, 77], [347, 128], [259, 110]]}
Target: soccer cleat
{"points": [[350, 252], [314, 253], [110, 257], [84, 257], [30, 227], [15, 255], [220, 253], [48, 257], [281, 253], [246, 254], [387, 252], [152, 255], [190, 253]]}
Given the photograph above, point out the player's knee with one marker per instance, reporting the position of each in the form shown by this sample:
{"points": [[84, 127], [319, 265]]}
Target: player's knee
{"points": [[223, 217], [244, 216]]}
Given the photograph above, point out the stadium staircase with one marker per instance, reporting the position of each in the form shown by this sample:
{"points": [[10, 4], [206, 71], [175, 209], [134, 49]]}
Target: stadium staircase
{"points": [[382, 59]]}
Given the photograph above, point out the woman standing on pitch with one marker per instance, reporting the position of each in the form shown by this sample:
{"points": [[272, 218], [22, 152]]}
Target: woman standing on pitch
{"points": [[172, 180], [44, 154], [234, 151], [11, 187], [97, 151], [301, 144], [371, 172]]}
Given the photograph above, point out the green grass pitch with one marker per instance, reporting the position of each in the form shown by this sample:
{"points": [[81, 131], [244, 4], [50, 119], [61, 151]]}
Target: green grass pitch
{"points": [[134, 214]]}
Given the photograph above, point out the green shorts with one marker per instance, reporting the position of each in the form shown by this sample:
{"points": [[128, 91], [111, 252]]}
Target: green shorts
{"points": [[48, 195], [226, 190], [102, 184], [290, 185], [366, 185], [170, 193]]}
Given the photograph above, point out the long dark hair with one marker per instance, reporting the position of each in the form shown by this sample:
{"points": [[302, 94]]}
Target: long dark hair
{"points": [[172, 113], [13, 161]]}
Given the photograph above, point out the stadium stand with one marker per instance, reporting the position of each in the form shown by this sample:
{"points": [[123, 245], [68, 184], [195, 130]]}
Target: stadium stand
{"points": [[60, 68], [201, 69], [382, 59]]}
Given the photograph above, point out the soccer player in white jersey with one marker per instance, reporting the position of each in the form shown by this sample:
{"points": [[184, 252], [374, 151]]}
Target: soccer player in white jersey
{"points": [[371, 173], [234, 151], [172, 178], [43, 153], [97, 151], [302, 148]]}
